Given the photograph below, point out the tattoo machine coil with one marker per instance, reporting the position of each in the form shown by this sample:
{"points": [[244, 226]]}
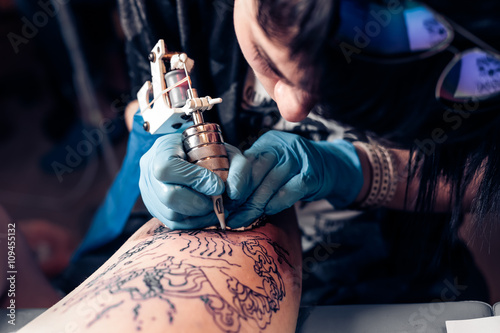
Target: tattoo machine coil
{"points": [[169, 102]]}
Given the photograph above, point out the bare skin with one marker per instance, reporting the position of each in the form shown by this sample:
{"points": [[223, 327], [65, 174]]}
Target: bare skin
{"points": [[189, 281], [442, 202]]}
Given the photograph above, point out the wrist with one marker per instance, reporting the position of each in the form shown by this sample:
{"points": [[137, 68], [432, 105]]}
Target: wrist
{"points": [[344, 177], [380, 175], [366, 168]]}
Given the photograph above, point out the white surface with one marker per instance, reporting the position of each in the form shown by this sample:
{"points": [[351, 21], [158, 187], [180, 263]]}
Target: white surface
{"points": [[391, 318], [480, 325], [496, 309]]}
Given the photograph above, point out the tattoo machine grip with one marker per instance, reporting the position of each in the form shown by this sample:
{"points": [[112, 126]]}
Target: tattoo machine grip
{"points": [[204, 146]]}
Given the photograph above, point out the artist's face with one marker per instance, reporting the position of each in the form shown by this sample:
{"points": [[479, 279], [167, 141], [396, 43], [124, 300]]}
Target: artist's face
{"points": [[271, 63]]}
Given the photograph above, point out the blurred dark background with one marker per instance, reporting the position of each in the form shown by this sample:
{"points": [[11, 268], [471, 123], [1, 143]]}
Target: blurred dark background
{"points": [[62, 134], [54, 169]]}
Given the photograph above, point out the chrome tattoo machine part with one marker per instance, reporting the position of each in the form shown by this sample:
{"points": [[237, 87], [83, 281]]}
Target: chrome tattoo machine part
{"points": [[173, 104], [204, 145], [166, 102]]}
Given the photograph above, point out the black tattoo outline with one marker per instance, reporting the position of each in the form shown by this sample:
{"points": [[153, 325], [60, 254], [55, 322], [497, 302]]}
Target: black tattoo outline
{"points": [[170, 278]]}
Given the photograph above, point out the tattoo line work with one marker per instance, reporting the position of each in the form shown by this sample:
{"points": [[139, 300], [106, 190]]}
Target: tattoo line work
{"points": [[225, 298]]}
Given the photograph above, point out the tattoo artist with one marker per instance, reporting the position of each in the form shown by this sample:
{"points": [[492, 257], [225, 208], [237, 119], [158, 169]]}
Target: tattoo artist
{"points": [[408, 140]]}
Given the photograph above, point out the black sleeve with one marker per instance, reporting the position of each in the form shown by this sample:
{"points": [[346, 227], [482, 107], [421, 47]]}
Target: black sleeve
{"points": [[140, 21], [204, 30]]}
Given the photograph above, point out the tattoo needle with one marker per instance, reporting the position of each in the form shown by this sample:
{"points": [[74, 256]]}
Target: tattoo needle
{"points": [[219, 210]]}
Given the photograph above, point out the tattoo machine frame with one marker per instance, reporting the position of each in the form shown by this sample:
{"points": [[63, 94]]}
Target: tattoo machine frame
{"points": [[169, 102]]}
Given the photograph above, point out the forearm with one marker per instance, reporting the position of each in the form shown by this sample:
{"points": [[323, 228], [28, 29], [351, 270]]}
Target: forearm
{"points": [[191, 281], [405, 197]]}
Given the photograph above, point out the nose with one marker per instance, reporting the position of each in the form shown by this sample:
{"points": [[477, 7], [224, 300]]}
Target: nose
{"points": [[294, 104]]}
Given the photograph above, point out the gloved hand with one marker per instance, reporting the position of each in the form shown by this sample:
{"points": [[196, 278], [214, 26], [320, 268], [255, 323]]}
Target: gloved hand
{"points": [[178, 192], [286, 168]]}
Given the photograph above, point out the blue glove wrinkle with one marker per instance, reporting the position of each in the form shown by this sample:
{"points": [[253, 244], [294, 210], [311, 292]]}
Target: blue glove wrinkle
{"points": [[187, 174], [272, 167], [186, 201], [247, 173], [342, 158], [239, 177], [190, 222], [301, 183], [286, 168], [169, 155], [180, 199], [175, 205], [154, 194], [183, 200], [257, 166], [287, 196]]}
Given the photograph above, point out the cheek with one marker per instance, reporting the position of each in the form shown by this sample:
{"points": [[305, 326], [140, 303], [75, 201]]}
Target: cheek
{"points": [[268, 83]]}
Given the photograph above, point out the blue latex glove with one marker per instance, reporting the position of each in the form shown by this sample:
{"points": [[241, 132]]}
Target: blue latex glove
{"points": [[178, 192], [286, 168]]}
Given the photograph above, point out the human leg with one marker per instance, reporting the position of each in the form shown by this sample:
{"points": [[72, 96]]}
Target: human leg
{"points": [[209, 280]]}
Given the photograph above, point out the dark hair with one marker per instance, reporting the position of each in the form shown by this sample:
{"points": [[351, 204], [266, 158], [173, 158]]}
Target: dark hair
{"points": [[394, 102]]}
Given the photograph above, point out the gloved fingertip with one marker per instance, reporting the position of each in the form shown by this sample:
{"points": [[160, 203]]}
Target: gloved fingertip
{"points": [[172, 225], [232, 150], [237, 186], [233, 193], [221, 187], [201, 222], [157, 168], [276, 208], [214, 186], [241, 219]]}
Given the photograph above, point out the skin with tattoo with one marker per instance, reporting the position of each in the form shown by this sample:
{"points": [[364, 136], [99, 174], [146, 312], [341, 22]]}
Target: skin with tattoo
{"points": [[189, 281]]}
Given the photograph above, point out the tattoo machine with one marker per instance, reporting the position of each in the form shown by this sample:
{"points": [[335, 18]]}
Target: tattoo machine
{"points": [[169, 102]]}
